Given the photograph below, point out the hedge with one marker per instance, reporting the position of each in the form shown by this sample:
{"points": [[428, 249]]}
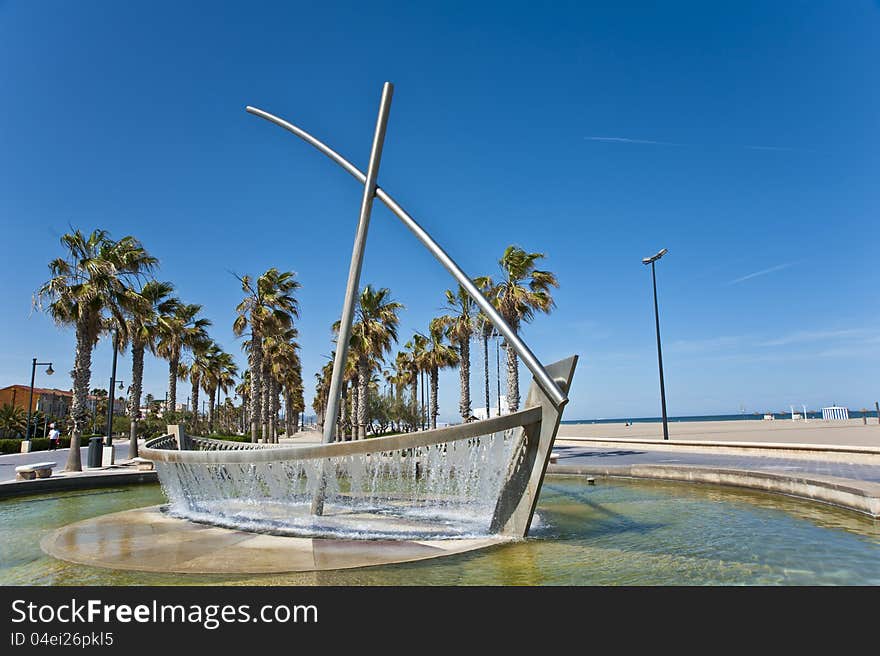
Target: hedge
{"points": [[230, 438], [37, 444]]}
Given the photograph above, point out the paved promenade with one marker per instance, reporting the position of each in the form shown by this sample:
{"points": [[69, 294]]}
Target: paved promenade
{"points": [[853, 432], [580, 455], [9, 462]]}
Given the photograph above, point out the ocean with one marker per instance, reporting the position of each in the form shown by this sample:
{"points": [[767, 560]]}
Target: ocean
{"points": [[853, 414]]}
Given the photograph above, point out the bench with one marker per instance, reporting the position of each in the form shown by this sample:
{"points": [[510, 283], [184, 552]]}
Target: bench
{"points": [[35, 470], [142, 464]]}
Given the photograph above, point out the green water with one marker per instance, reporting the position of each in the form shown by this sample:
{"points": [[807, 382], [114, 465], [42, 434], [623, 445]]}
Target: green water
{"points": [[620, 532]]}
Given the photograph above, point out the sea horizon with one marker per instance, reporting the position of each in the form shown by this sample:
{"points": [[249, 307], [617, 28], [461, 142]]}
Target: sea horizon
{"points": [[853, 414]]}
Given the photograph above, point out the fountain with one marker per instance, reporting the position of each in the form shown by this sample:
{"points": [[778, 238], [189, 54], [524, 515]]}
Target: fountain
{"points": [[471, 480], [385, 499]]}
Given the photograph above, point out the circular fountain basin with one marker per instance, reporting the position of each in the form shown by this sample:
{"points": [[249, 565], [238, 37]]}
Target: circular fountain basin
{"points": [[152, 540], [615, 532]]}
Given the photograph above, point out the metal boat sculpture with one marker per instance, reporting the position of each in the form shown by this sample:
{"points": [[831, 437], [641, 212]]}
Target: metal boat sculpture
{"points": [[474, 479]]}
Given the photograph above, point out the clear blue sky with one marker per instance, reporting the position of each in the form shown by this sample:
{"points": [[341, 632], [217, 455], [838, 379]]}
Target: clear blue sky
{"points": [[741, 136]]}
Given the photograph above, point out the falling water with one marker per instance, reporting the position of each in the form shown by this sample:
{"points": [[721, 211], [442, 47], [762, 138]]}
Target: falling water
{"points": [[446, 490]]}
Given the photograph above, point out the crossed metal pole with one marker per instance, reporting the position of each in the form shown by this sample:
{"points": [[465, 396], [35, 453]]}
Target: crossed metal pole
{"points": [[371, 191]]}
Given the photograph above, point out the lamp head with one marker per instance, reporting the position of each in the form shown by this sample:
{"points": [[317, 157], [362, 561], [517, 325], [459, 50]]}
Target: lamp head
{"points": [[654, 258], [50, 370]]}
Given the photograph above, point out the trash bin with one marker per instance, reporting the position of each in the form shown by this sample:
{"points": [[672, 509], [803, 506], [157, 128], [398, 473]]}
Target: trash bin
{"points": [[96, 451]]}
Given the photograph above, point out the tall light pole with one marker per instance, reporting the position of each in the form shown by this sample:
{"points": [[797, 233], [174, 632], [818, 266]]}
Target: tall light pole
{"points": [[112, 392], [111, 402], [49, 371], [651, 260]]}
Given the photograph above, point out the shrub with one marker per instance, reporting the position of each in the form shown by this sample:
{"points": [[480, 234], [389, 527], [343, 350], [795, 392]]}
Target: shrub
{"points": [[230, 438], [13, 445]]}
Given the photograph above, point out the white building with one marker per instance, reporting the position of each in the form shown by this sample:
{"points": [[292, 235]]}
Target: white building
{"points": [[480, 413]]}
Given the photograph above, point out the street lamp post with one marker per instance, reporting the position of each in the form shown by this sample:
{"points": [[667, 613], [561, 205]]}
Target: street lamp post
{"points": [[111, 392], [111, 402], [651, 260], [49, 371]]}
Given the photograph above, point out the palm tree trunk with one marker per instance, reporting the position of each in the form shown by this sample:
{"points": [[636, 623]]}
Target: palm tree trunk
{"points": [[266, 407], [434, 409], [256, 365], [137, 381], [363, 396], [276, 406], [82, 374], [288, 425], [354, 391], [486, 368], [512, 380], [340, 416], [414, 393], [173, 363], [211, 411], [464, 371], [196, 381]]}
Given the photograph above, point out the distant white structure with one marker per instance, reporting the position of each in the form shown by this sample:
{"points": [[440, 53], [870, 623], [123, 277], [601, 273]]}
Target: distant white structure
{"points": [[480, 413], [834, 412]]}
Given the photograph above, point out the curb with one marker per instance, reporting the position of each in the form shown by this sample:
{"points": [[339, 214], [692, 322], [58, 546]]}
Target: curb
{"points": [[860, 496], [79, 482], [827, 452]]}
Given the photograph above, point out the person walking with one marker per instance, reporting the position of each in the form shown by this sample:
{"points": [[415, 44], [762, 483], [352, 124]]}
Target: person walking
{"points": [[54, 437]]}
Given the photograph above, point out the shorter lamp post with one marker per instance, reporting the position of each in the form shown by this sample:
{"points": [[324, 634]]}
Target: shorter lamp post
{"points": [[49, 371], [110, 403]]}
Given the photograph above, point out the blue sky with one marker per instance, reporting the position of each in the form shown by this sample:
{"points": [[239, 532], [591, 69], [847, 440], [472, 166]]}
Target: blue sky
{"points": [[741, 136]]}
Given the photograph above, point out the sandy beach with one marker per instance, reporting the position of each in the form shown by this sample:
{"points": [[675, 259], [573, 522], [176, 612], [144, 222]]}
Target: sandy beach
{"points": [[842, 433]]}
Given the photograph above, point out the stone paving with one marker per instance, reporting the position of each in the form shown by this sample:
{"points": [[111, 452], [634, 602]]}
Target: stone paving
{"points": [[636, 455], [10, 461]]}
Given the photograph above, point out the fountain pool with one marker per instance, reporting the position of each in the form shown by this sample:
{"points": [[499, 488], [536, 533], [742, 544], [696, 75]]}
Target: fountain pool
{"points": [[615, 533]]}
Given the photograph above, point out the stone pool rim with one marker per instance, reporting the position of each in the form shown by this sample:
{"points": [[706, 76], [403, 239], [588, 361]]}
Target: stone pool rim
{"points": [[862, 497]]}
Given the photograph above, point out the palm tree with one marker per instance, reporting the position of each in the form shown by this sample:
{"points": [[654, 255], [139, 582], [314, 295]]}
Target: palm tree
{"points": [[95, 278], [225, 378], [195, 372], [219, 374], [416, 347], [142, 331], [269, 303], [296, 402], [285, 370], [243, 389], [13, 420], [322, 393], [437, 355], [485, 330], [460, 327], [523, 290], [180, 330], [371, 338]]}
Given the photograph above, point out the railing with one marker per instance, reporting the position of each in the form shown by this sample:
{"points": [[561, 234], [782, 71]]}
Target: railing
{"points": [[207, 444], [163, 442], [218, 452]]}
